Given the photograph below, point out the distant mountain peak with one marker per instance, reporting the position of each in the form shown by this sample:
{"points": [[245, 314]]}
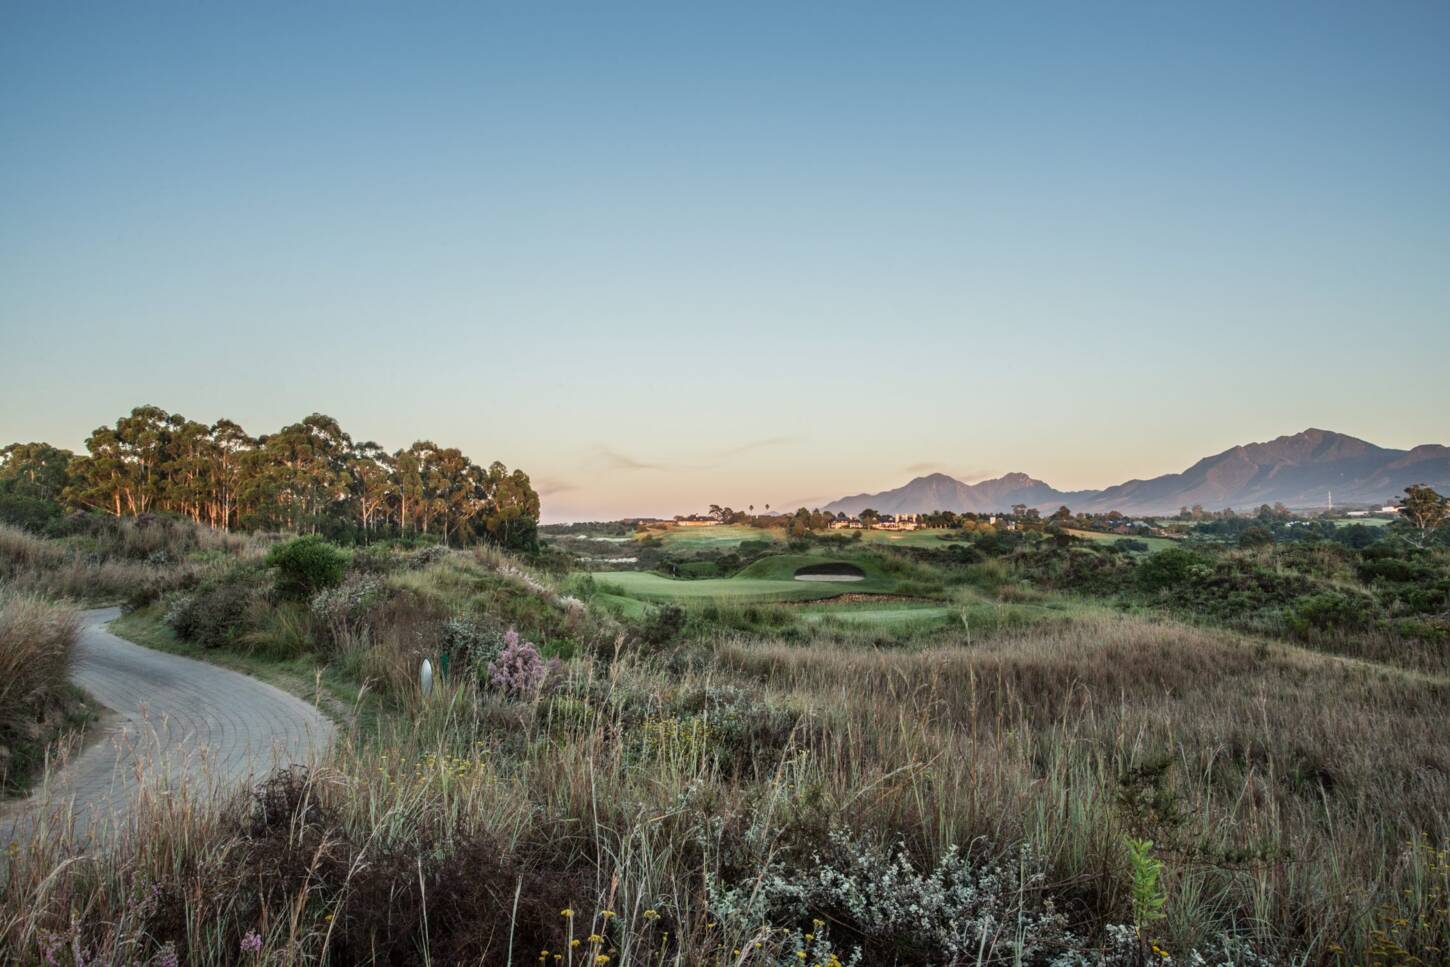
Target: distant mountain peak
{"points": [[1299, 470]]}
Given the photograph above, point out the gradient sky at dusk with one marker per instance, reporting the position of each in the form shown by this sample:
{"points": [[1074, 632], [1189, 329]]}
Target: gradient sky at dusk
{"points": [[661, 257]]}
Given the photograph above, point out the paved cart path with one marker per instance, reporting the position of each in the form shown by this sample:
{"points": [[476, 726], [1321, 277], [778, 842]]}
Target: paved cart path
{"points": [[175, 722]]}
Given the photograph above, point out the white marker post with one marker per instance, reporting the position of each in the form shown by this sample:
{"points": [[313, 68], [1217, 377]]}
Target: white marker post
{"points": [[425, 678]]}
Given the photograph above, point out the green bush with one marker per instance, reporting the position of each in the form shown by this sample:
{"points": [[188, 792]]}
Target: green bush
{"points": [[305, 566], [1168, 568], [214, 614], [663, 624], [1328, 611]]}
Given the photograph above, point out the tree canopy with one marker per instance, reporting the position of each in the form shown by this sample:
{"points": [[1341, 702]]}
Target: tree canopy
{"points": [[309, 477]]}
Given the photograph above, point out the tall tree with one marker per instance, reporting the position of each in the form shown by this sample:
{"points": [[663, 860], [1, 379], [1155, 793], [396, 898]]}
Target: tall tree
{"points": [[305, 477], [511, 518], [373, 477], [36, 470], [1422, 513]]}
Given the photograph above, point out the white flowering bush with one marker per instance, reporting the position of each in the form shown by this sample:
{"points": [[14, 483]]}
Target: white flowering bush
{"points": [[471, 645], [961, 910]]}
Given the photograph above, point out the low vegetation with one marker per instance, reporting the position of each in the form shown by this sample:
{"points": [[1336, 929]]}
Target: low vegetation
{"points": [[38, 706], [1017, 748]]}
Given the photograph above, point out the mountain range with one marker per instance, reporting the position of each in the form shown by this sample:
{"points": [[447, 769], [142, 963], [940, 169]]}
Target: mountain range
{"points": [[1299, 471]]}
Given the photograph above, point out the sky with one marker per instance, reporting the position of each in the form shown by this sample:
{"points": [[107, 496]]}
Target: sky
{"points": [[662, 256]]}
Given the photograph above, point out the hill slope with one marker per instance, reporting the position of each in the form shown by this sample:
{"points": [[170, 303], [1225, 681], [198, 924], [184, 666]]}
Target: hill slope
{"points": [[1299, 470]]}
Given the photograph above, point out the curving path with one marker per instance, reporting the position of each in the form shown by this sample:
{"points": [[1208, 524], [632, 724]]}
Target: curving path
{"points": [[177, 725]]}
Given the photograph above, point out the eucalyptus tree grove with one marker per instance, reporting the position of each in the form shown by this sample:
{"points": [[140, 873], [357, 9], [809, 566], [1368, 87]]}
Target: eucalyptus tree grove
{"points": [[307, 477]]}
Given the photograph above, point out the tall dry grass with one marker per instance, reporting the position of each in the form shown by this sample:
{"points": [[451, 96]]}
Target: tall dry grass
{"points": [[132, 559], [36, 640], [1297, 800]]}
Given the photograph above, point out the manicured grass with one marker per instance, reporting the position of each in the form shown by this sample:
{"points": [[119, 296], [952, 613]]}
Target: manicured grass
{"points": [[925, 537], [768, 579], [1155, 544], [648, 586], [720, 537], [879, 613], [621, 604], [1366, 521]]}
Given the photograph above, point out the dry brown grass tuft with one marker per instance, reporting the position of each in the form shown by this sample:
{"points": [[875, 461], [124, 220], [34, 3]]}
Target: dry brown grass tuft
{"points": [[36, 638]]}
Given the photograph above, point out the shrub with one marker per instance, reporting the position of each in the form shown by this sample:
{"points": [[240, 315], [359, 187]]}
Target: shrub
{"points": [[425, 556], [214, 614], [519, 670], [663, 624], [899, 913], [1256, 537], [29, 513], [343, 612], [305, 566], [1169, 568], [471, 646], [374, 559], [1327, 611]]}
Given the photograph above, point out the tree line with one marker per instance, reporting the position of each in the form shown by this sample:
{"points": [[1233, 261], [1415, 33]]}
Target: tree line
{"points": [[309, 477]]}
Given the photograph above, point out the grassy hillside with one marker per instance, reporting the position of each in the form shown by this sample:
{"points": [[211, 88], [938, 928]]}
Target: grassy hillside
{"points": [[751, 780], [718, 537], [771, 578]]}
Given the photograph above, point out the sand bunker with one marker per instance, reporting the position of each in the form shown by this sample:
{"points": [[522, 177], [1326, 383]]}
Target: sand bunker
{"points": [[833, 571]]}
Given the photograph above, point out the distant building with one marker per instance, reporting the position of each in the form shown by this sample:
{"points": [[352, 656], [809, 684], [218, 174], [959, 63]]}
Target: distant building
{"points": [[899, 522], [695, 520], [886, 522]]}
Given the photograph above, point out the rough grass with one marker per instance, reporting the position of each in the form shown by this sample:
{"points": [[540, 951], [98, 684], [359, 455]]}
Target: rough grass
{"points": [[1295, 799], [37, 703], [134, 559], [1289, 796]]}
